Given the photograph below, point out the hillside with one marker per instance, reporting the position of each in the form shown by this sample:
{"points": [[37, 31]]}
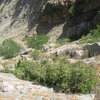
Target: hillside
{"points": [[49, 49]]}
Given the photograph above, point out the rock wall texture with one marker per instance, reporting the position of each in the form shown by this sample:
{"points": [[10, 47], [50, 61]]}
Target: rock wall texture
{"points": [[18, 16], [79, 15], [56, 10], [72, 18]]}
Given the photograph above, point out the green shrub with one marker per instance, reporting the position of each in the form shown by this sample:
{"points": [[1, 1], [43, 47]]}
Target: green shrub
{"points": [[93, 36], [6, 70], [62, 41], [9, 48], [30, 71], [77, 77], [1, 9], [81, 78], [71, 10], [35, 54], [37, 41]]}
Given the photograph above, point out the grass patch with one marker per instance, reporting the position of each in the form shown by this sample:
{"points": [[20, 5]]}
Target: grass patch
{"points": [[71, 11], [92, 37], [62, 41], [6, 70], [1, 9], [37, 41], [76, 78], [9, 48], [35, 54]]}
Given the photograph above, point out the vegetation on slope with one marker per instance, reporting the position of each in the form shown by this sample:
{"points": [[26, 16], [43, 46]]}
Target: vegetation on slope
{"points": [[37, 41], [93, 36], [62, 41], [9, 48], [60, 74]]}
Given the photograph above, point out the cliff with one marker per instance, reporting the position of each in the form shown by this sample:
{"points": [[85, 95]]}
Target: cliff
{"points": [[57, 18]]}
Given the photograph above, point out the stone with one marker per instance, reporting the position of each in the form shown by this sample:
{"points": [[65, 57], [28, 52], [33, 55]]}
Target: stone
{"points": [[8, 87], [75, 32], [1, 67], [51, 45], [96, 19], [1, 85], [72, 60], [58, 52], [72, 54], [46, 48], [90, 5], [89, 60], [77, 54], [93, 49]]}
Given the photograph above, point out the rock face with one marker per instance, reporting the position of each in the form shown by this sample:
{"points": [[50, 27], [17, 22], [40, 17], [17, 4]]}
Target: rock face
{"points": [[18, 16], [42, 16], [79, 15], [77, 54], [52, 9], [75, 32], [56, 10], [96, 19]]}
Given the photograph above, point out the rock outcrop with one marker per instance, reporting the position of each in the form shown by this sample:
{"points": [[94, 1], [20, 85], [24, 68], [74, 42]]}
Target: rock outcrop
{"points": [[79, 15], [54, 11], [18, 17], [93, 49], [72, 17]]}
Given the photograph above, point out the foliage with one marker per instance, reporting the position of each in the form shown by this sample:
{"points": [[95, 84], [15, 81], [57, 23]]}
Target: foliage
{"points": [[1, 9], [9, 48], [93, 36], [71, 10], [35, 54], [77, 77], [81, 78], [62, 41], [37, 41], [6, 70]]}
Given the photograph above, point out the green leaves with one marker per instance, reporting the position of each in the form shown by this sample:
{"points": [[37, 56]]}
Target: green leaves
{"points": [[35, 54], [37, 41], [93, 36], [77, 77], [9, 49], [72, 10]]}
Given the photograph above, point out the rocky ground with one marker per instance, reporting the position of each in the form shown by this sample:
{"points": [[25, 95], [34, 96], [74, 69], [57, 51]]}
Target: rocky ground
{"points": [[21, 17], [12, 88]]}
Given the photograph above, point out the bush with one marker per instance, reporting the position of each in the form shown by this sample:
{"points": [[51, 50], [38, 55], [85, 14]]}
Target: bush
{"points": [[71, 10], [93, 36], [35, 54], [37, 41], [81, 78], [77, 77], [63, 41], [9, 48], [1, 9]]}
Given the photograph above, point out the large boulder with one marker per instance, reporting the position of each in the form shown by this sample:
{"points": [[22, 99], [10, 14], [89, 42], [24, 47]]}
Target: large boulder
{"points": [[76, 31], [92, 49], [96, 19], [76, 54]]}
